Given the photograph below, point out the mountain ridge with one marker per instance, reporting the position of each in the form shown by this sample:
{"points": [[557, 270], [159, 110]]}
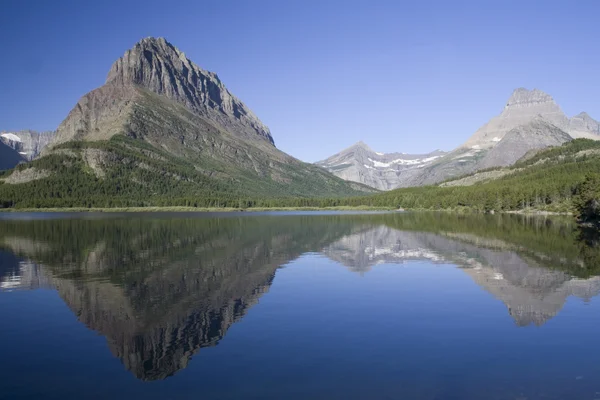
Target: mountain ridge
{"points": [[530, 120], [360, 163]]}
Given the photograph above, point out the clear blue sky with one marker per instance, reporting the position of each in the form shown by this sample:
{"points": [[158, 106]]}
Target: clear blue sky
{"points": [[401, 76]]}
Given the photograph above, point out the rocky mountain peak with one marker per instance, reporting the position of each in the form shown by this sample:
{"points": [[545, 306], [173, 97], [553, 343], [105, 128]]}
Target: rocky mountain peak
{"points": [[362, 145], [157, 65], [583, 125], [522, 97]]}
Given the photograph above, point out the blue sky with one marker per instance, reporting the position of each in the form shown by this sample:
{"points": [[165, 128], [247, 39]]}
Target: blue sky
{"points": [[401, 76]]}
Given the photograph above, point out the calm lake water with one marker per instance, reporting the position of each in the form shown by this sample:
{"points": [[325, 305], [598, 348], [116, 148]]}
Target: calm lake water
{"points": [[297, 306]]}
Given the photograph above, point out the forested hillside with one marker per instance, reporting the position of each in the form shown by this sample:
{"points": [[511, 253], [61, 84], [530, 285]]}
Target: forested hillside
{"points": [[125, 172], [547, 180]]}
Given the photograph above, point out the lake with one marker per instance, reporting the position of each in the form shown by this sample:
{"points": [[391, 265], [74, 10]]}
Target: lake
{"points": [[297, 306]]}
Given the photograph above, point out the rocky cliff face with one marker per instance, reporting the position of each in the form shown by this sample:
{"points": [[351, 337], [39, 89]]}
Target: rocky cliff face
{"points": [[25, 146], [157, 65], [530, 120], [382, 171]]}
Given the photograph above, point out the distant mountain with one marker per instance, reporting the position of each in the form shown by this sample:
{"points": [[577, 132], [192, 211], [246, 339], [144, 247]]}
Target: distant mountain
{"points": [[584, 126], [161, 128], [25, 145], [359, 163], [530, 120]]}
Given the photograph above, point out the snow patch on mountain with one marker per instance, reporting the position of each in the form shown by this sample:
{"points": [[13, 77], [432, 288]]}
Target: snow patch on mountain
{"points": [[11, 136]]}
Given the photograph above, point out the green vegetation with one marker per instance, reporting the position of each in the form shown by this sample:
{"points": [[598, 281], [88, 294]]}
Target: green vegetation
{"points": [[133, 173], [587, 201], [139, 175]]}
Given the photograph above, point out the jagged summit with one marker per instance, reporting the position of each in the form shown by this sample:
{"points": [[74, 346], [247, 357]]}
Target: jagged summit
{"points": [[583, 125], [361, 145], [583, 115], [523, 97], [522, 107], [157, 65]]}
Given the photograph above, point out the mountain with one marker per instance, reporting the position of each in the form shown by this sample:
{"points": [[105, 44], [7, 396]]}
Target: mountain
{"points": [[156, 66], [517, 142], [530, 120], [584, 126], [522, 107], [359, 163], [25, 145], [160, 129]]}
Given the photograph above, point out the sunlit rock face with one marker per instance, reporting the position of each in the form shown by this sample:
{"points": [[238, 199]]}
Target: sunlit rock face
{"points": [[155, 65]]}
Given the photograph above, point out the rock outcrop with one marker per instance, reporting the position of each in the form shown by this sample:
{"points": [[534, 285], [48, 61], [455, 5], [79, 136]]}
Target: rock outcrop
{"points": [[155, 65]]}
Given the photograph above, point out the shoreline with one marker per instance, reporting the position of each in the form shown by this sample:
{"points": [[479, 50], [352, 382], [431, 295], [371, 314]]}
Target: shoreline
{"points": [[187, 209], [529, 212]]}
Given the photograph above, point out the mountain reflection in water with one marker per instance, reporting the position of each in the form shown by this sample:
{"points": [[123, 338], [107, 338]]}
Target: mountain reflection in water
{"points": [[160, 288]]}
